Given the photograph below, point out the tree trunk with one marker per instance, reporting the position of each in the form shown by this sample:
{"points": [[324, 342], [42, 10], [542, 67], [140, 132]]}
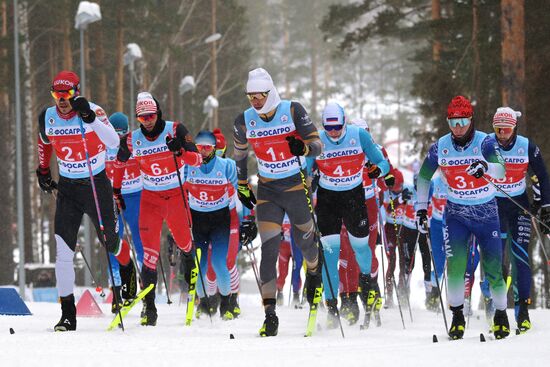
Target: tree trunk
{"points": [[119, 87], [67, 50], [475, 48], [513, 56], [436, 46]]}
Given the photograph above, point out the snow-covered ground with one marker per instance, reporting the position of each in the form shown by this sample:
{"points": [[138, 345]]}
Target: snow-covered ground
{"points": [[203, 344]]}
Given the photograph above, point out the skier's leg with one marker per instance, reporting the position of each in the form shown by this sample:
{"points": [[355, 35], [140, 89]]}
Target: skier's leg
{"points": [[348, 268], [372, 214], [282, 266], [131, 214], [297, 266], [457, 248]]}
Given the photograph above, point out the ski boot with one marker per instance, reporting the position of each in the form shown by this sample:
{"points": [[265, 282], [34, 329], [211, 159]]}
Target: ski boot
{"points": [[128, 288], [204, 307], [432, 300], [295, 300], [332, 313], [270, 326], [458, 323], [225, 308], [148, 276], [349, 309], [389, 301], [68, 314], [114, 305], [151, 315], [234, 305], [374, 302], [280, 298], [314, 279], [522, 317], [501, 327]]}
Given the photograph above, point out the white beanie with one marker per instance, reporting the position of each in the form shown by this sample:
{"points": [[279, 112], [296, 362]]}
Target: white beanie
{"points": [[505, 117], [361, 123], [145, 104], [259, 81]]}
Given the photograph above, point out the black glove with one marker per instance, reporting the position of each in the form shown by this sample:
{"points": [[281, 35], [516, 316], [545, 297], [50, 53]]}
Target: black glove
{"points": [[297, 146], [248, 231], [389, 179], [246, 196], [477, 169], [406, 195], [82, 107], [373, 171], [545, 218], [123, 151], [45, 180], [119, 200], [422, 221], [174, 144]]}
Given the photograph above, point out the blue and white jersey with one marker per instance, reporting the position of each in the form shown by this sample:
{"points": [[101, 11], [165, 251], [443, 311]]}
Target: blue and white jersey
{"points": [[516, 159]]}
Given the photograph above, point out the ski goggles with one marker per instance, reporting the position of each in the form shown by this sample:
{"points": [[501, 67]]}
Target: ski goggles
{"points": [[503, 130], [333, 127], [256, 95], [146, 117], [63, 94], [461, 121], [205, 147]]}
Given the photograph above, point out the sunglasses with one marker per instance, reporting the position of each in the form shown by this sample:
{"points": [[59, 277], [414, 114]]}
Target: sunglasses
{"points": [[259, 95], [147, 117], [503, 130], [333, 127], [206, 147], [461, 121], [63, 94]]}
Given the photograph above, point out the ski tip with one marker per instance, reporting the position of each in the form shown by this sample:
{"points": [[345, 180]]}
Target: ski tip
{"points": [[231, 336], [482, 338], [434, 339], [517, 331], [13, 331]]}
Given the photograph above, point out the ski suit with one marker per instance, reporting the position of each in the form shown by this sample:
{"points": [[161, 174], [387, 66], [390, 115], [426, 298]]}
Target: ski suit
{"points": [[471, 209], [341, 198], [280, 187], [75, 197]]}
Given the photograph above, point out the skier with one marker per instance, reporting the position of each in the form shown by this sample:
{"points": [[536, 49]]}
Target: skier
{"points": [[209, 195], [438, 200], [129, 205], [341, 199], [280, 132], [520, 155], [154, 145], [465, 156], [60, 129], [287, 250]]}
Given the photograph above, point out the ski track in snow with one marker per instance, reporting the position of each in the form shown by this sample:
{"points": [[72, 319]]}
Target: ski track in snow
{"points": [[171, 343]]}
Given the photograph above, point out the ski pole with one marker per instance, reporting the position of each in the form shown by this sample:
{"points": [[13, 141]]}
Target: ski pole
{"points": [[318, 234], [101, 231], [98, 288], [250, 251], [168, 300], [190, 225], [517, 204], [427, 234], [380, 229]]}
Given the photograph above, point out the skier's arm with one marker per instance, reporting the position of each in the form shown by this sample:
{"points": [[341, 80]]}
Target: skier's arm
{"points": [[536, 166], [429, 166], [495, 163], [190, 154], [231, 173], [119, 164], [306, 129], [103, 128], [44, 146], [240, 153], [374, 154]]}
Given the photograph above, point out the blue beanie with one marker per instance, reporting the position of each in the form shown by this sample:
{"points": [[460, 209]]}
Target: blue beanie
{"points": [[119, 122]]}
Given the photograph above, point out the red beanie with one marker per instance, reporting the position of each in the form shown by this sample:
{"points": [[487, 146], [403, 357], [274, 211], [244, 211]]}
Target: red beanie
{"points": [[220, 139], [459, 107], [66, 80]]}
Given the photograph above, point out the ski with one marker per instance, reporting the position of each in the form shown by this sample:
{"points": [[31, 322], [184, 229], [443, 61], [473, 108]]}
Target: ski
{"points": [[192, 290], [126, 309], [313, 311]]}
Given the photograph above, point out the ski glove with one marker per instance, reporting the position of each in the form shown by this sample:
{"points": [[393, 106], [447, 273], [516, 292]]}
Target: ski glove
{"points": [[123, 153], [119, 200], [373, 171], [45, 180], [248, 231], [174, 144], [406, 195], [82, 107], [246, 196], [422, 221], [477, 169], [297, 146], [389, 180], [545, 218]]}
